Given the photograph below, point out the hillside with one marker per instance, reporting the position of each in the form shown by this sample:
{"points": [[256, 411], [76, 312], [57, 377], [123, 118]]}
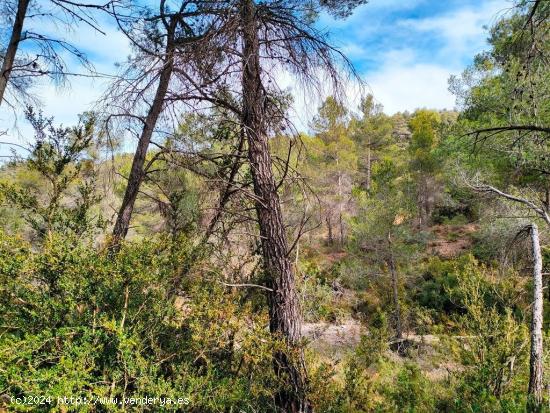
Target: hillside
{"points": [[188, 246]]}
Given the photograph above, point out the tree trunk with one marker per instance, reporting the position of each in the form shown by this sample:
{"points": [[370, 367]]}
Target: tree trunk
{"points": [[340, 206], [369, 166], [535, 362], [341, 223], [395, 289], [430, 198], [297, 256], [137, 172], [423, 202], [328, 220], [420, 203], [284, 312], [13, 45]]}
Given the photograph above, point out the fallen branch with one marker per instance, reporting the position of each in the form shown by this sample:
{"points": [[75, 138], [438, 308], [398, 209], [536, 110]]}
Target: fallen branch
{"points": [[487, 188], [263, 287]]}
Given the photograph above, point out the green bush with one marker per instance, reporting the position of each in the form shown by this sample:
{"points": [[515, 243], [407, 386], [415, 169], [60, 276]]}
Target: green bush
{"points": [[439, 278], [492, 347], [79, 322], [411, 392]]}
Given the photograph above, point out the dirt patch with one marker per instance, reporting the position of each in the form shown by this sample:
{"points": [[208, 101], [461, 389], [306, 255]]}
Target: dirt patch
{"points": [[333, 340], [451, 240]]}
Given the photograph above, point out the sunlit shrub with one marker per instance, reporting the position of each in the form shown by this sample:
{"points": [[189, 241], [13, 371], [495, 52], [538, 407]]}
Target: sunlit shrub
{"points": [[80, 322]]}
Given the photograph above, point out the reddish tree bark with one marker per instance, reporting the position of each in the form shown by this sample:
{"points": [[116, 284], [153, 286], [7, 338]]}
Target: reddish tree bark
{"points": [[15, 39], [137, 171], [284, 310]]}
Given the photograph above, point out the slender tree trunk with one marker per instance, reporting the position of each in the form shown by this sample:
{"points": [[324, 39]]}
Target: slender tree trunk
{"points": [[395, 289], [430, 198], [341, 223], [13, 45], [423, 201], [284, 311], [340, 206], [369, 162], [420, 203], [137, 172], [297, 256], [328, 220], [535, 363]]}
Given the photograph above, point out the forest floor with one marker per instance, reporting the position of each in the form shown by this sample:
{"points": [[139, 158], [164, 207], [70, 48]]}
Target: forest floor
{"points": [[451, 240], [334, 341]]}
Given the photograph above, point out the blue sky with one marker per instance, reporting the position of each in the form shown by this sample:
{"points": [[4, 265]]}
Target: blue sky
{"points": [[405, 50]]}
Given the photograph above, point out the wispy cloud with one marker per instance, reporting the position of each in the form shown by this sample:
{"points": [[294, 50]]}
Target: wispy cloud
{"points": [[404, 50], [458, 33], [406, 87], [78, 94]]}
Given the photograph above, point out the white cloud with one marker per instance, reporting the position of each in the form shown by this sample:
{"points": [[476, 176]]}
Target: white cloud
{"points": [[408, 87], [365, 12], [405, 81], [103, 48], [354, 51], [462, 31], [65, 104], [400, 83], [463, 24], [404, 76]]}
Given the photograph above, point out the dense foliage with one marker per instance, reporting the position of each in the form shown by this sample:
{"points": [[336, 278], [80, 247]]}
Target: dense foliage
{"points": [[406, 235]]}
